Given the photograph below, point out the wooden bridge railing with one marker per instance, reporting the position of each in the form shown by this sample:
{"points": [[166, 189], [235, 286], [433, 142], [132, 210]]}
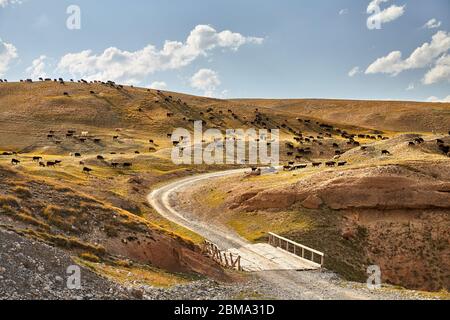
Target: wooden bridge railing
{"points": [[297, 249], [225, 259]]}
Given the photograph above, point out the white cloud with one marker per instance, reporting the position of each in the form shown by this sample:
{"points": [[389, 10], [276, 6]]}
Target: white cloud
{"points": [[343, 12], [37, 68], [432, 24], [158, 85], [206, 80], [7, 54], [354, 71], [379, 16], [4, 3], [436, 99], [120, 65], [421, 57], [440, 71]]}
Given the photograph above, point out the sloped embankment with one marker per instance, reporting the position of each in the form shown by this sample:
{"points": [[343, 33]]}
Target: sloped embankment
{"points": [[65, 218], [396, 216]]}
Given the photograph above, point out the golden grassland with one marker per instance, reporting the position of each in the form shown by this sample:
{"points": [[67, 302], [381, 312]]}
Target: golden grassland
{"points": [[45, 203]]}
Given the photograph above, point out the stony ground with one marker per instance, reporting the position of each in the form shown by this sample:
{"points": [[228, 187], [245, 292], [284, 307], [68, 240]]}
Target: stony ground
{"points": [[31, 270]]}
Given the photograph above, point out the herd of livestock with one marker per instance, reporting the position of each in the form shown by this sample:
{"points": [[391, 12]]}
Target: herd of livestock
{"points": [[324, 131]]}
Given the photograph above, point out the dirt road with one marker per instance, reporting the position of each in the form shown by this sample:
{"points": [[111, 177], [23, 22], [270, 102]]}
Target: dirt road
{"points": [[287, 284]]}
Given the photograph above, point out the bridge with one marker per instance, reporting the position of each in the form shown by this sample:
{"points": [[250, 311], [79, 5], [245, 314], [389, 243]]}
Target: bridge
{"points": [[278, 254]]}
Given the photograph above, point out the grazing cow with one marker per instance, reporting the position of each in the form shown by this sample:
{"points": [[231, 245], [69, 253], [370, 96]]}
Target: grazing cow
{"points": [[115, 137], [58, 142], [42, 164], [411, 143], [51, 164], [291, 163], [342, 163], [254, 169], [50, 136], [15, 162], [69, 135], [151, 149], [300, 166], [286, 168], [7, 153], [137, 152], [84, 133], [444, 149], [77, 155], [337, 152], [290, 154], [127, 165], [317, 164], [289, 145], [66, 93], [439, 141], [58, 162], [169, 135], [151, 141], [82, 140], [114, 164], [170, 114], [92, 92], [37, 159], [87, 170], [81, 163], [96, 140], [363, 148], [385, 152], [335, 145], [100, 158], [330, 164]]}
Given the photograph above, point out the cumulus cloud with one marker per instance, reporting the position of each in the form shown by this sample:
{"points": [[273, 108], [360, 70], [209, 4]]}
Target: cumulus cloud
{"points": [[206, 80], [422, 57], [440, 71], [379, 16], [120, 65], [436, 99], [432, 24], [7, 54], [353, 72], [158, 85], [37, 68]]}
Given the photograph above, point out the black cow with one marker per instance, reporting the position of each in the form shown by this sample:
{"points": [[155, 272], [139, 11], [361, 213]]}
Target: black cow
{"points": [[87, 170]]}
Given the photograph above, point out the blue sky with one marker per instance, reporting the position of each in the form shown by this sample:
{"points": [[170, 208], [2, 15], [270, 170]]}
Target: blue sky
{"points": [[276, 49]]}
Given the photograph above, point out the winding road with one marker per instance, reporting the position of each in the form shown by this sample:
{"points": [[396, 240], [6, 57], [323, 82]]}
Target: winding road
{"points": [[287, 282]]}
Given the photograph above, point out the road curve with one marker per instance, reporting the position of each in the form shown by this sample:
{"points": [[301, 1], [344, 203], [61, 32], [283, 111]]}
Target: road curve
{"points": [[287, 284]]}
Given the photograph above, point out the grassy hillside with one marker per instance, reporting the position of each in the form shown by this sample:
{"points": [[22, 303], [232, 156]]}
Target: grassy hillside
{"points": [[103, 216]]}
